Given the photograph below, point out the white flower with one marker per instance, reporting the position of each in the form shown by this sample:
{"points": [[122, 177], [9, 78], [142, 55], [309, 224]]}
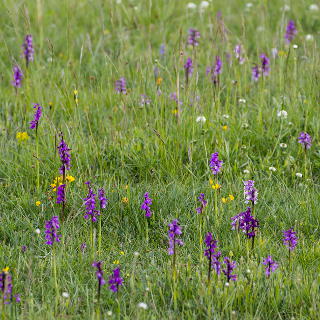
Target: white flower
{"points": [[136, 254], [38, 231], [201, 119], [313, 7], [118, 1], [249, 5], [295, 46], [299, 175], [272, 169], [309, 37], [191, 5], [286, 8], [147, 289], [245, 171], [109, 313], [282, 114], [65, 294], [226, 116], [204, 4], [283, 145], [245, 126], [274, 52], [143, 305], [248, 271], [242, 100], [227, 284]]}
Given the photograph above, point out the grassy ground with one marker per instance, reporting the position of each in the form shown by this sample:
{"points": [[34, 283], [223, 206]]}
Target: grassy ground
{"points": [[130, 149]]}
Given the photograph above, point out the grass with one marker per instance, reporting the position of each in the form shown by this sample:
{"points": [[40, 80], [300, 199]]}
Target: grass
{"points": [[129, 149]]}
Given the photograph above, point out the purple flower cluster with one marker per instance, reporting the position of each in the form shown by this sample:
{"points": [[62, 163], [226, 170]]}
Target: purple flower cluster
{"points": [[229, 267], [246, 222], [64, 153], [215, 164], [215, 70], [238, 54], [6, 288], [193, 36], [146, 205], [121, 86], [305, 139], [90, 203], [28, 49], [115, 280], [203, 203], [255, 71], [174, 97], [291, 31], [290, 239], [212, 255], [61, 196], [174, 231], [17, 77], [188, 67], [99, 273], [250, 192], [51, 232], [271, 265], [102, 198], [144, 100], [37, 115], [264, 69]]}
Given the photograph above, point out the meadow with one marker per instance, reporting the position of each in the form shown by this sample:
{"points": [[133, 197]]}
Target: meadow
{"points": [[160, 159]]}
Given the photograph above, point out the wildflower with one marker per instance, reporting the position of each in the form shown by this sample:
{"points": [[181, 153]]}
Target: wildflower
{"points": [[290, 239], [64, 156], [295, 46], [215, 70], [282, 114], [61, 197], [115, 280], [313, 7], [162, 49], [116, 262], [37, 115], [274, 52], [204, 4], [51, 231], [174, 96], [250, 192], [90, 203], [99, 274], [188, 69], [299, 175], [159, 81], [305, 139], [283, 145], [24, 248], [28, 49], [224, 200], [309, 37], [255, 73], [38, 231], [6, 287], [201, 119], [125, 200], [144, 100], [238, 54], [75, 96], [121, 86], [271, 265], [83, 247], [241, 100], [230, 266], [70, 178], [146, 205], [273, 169], [203, 203], [214, 186], [22, 136], [174, 231], [215, 164], [224, 128], [191, 5], [17, 77], [246, 171], [103, 200], [142, 305], [231, 197], [265, 64], [212, 255], [65, 295], [193, 36], [291, 31]]}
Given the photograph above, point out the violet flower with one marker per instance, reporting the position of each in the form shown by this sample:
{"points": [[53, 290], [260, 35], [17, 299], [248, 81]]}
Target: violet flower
{"points": [[215, 70], [17, 77], [250, 192], [162, 49], [238, 53], [271, 265], [174, 97], [90, 203], [291, 31], [255, 73], [305, 139], [230, 266], [188, 67], [203, 203], [290, 239], [121, 86], [37, 115], [99, 274], [193, 36], [265, 64], [61, 197], [144, 100], [115, 280], [6, 287], [215, 164], [174, 231], [51, 232], [28, 49], [64, 153], [102, 198], [211, 254], [146, 205]]}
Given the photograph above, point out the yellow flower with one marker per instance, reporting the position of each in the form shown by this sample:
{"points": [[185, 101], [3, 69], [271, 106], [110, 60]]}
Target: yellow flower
{"points": [[122, 253], [225, 128], [38, 203], [50, 104], [231, 197], [116, 262], [230, 253], [126, 187], [22, 136], [282, 53], [175, 111], [159, 81], [70, 178], [216, 186], [224, 200], [6, 269], [125, 200], [75, 92]]}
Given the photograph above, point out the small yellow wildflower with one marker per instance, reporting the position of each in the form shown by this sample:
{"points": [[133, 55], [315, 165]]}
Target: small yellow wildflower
{"points": [[6, 269], [159, 81], [175, 111], [224, 128], [230, 253], [125, 200], [282, 53], [38, 203], [116, 262], [126, 187], [216, 186], [70, 178], [22, 136], [75, 92], [50, 104], [231, 197], [122, 253], [224, 200]]}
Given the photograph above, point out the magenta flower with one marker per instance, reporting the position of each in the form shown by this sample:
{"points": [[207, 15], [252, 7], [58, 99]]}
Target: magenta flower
{"points": [[211, 254], [193, 36], [102, 198], [37, 115], [6, 288], [203, 203], [115, 280], [188, 67], [290, 239], [265, 64], [271, 265], [291, 31], [305, 139], [64, 153], [121, 86], [90, 204], [215, 164], [250, 192], [173, 233], [215, 70], [99, 274], [146, 205], [61, 197], [239, 54], [229, 267], [17, 77], [28, 49], [255, 73], [51, 232]]}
